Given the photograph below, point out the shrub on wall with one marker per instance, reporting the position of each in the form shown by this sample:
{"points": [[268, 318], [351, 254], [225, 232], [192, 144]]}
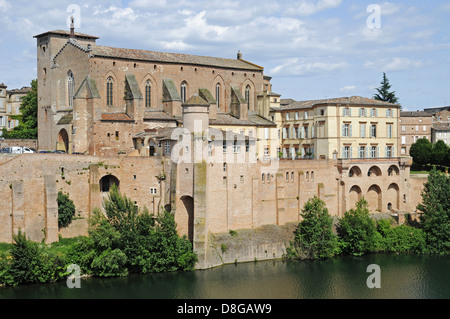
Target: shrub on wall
{"points": [[66, 210]]}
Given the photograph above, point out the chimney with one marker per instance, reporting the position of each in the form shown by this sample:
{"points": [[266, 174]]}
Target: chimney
{"points": [[72, 28]]}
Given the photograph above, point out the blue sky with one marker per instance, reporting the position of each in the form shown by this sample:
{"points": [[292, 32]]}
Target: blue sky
{"points": [[313, 49]]}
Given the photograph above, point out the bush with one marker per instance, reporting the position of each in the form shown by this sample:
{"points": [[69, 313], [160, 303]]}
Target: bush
{"points": [[127, 240], [314, 238], [400, 239], [30, 263], [66, 210], [357, 231]]}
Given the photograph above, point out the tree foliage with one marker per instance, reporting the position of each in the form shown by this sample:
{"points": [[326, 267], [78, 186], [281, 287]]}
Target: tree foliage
{"points": [[357, 231], [125, 240], [421, 152], [314, 236], [383, 92], [66, 210], [28, 122], [435, 206]]}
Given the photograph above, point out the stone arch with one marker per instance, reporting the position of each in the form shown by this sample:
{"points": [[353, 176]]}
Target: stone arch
{"points": [[355, 171], [393, 170], [107, 181], [188, 202], [354, 196], [63, 141], [393, 196], [374, 197], [374, 171]]}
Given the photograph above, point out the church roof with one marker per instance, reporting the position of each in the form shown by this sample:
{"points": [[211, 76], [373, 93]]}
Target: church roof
{"points": [[66, 33], [178, 58]]}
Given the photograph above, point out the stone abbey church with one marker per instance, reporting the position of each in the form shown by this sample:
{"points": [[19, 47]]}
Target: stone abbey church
{"points": [[119, 108]]}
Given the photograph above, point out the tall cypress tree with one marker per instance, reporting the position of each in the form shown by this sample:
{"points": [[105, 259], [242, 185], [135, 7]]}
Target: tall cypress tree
{"points": [[383, 92]]}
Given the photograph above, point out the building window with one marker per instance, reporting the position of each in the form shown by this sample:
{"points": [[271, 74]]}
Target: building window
{"points": [[363, 130], [347, 130], [346, 111], [236, 146], [362, 112], [373, 112], [362, 152], [373, 151], [153, 190], [296, 116], [388, 113], [403, 128], [70, 88], [373, 131], [183, 92], [224, 167], [346, 152], [167, 147], [218, 95], [389, 151], [266, 133], [287, 116], [148, 94], [247, 96], [224, 145], [389, 130], [109, 91], [266, 151]]}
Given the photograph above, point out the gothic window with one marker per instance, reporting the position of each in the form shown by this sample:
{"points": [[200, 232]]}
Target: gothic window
{"points": [[109, 91], [70, 88], [183, 92], [218, 94], [247, 96], [148, 94]]}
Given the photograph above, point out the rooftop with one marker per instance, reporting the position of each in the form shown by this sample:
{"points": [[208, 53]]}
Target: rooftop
{"points": [[353, 100], [66, 33], [415, 114], [153, 56]]}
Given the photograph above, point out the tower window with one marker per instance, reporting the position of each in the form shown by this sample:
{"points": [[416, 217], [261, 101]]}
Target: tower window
{"points": [[148, 94], [70, 88], [109, 91]]}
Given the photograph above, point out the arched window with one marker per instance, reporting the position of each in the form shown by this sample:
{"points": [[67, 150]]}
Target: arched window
{"points": [[183, 92], [148, 94], [109, 91], [70, 88], [247, 96], [218, 95]]}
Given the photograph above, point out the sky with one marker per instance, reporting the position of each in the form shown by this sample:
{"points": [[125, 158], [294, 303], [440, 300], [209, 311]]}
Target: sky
{"points": [[312, 49]]}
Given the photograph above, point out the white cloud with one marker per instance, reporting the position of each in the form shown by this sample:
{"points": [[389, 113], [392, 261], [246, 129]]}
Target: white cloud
{"points": [[304, 66], [348, 88], [308, 7], [393, 64], [4, 5]]}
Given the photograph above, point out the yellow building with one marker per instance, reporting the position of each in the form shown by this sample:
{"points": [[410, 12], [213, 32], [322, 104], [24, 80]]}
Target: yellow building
{"points": [[348, 127]]}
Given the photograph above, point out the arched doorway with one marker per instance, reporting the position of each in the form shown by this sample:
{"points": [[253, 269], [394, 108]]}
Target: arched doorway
{"points": [[107, 181], [63, 141], [374, 198], [355, 171], [374, 171], [354, 196], [188, 202], [393, 196]]}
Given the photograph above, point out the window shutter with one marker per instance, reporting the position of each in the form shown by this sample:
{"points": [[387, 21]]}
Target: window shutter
{"points": [[349, 111], [350, 130], [393, 151], [343, 129], [378, 151], [351, 152]]}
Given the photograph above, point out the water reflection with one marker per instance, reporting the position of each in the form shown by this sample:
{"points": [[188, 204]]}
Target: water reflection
{"points": [[405, 277]]}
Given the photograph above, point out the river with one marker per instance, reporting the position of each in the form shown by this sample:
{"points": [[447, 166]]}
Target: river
{"points": [[400, 277]]}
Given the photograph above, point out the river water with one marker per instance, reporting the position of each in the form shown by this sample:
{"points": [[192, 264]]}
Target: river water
{"points": [[400, 277]]}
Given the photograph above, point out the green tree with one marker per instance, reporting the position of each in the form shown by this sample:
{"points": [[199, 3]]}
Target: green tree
{"points": [[66, 210], [27, 128], [435, 206], [314, 238], [383, 92], [357, 231], [400, 239], [421, 152], [439, 153]]}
